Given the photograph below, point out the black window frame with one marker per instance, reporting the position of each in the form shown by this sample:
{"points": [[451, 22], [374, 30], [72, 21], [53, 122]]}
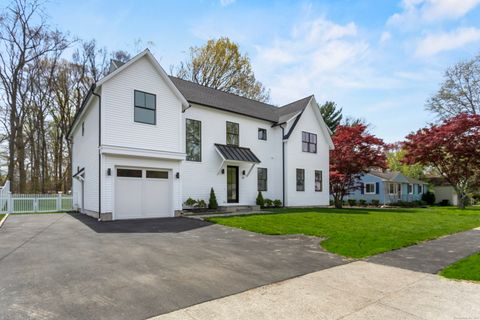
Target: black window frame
{"points": [[309, 142], [156, 174], [144, 107], [128, 173], [233, 134], [260, 179], [300, 180], [320, 180], [199, 142], [262, 134]]}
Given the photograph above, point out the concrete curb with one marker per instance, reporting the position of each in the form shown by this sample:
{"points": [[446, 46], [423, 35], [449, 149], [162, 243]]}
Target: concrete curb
{"points": [[3, 220]]}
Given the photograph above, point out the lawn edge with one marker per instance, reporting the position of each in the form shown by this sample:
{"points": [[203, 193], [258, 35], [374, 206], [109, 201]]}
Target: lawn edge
{"points": [[4, 219]]}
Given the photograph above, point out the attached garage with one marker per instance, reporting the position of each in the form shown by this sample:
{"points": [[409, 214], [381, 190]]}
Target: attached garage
{"points": [[142, 193]]}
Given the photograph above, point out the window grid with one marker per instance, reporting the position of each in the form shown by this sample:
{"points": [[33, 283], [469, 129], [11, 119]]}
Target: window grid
{"points": [[232, 133], [262, 179], [145, 106], [300, 179], [309, 142]]}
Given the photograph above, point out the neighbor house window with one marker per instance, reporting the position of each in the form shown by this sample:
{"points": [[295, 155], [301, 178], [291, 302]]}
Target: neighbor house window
{"points": [[318, 180], [420, 191], [410, 188], [391, 188], [262, 134], [262, 179], [145, 107], [370, 188], [232, 133], [309, 142], [193, 140], [300, 179]]}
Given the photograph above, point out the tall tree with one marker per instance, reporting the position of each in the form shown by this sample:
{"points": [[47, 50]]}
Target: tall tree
{"points": [[460, 91], [332, 115], [453, 149], [219, 64], [356, 151], [25, 37]]}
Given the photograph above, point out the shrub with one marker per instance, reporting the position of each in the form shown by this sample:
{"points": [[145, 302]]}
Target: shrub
{"points": [[444, 203], [277, 203], [267, 203], [429, 198], [352, 202], [375, 203], [260, 202], [362, 202], [201, 204], [190, 202], [212, 201]]}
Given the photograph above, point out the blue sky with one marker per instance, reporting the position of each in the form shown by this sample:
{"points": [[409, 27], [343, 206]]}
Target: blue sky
{"points": [[379, 60]]}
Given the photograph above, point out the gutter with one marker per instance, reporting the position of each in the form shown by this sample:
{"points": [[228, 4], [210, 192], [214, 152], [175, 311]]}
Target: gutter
{"points": [[99, 154], [283, 165]]}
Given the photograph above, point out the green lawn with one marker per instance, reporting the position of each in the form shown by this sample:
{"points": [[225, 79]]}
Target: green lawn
{"points": [[1, 216], [465, 269], [360, 233]]}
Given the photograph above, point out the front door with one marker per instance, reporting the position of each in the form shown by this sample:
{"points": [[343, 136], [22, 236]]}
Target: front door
{"points": [[232, 184]]}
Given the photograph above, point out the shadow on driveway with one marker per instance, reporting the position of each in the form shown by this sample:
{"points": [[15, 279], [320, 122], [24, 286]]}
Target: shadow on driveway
{"points": [[156, 225]]}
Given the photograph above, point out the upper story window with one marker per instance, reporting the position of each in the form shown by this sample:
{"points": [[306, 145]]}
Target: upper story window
{"points": [[232, 133], [300, 179], [309, 142], [318, 180], [370, 188], [145, 107], [262, 179], [262, 134], [193, 140]]}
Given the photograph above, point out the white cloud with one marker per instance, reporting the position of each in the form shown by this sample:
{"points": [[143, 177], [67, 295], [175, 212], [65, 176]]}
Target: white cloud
{"points": [[385, 37], [435, 43], [428, 11], [225, 3]]}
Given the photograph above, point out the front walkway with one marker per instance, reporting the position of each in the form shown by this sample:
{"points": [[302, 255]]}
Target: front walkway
{"points": [[359, 290], [432, 256]]}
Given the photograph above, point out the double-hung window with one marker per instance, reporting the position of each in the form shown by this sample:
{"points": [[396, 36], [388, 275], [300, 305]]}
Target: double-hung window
{"points": [[232, 133], [318, 180], [145, 107], [309, 142], [410, 188], [262, 134], [392, 188], [262, 179], [370, 188], [300, 179], [193, 140]]}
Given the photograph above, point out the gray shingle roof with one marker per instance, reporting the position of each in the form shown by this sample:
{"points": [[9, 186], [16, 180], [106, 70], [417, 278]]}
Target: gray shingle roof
{"points": [[236, 153], [394, 176], [196, 93]]}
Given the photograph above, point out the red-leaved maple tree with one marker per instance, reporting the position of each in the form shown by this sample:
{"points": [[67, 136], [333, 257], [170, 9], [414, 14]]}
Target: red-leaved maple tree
{"points": [[453, 149], [356, 151]]}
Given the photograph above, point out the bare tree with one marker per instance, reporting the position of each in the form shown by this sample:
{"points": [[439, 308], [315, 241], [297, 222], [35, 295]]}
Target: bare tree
{"points": [[24, 38], [460, 92]]}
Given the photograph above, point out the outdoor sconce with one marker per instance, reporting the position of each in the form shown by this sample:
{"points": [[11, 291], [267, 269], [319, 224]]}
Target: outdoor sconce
{"points": [[177, 175], [223, 171], [109, 172], [243, 172]]}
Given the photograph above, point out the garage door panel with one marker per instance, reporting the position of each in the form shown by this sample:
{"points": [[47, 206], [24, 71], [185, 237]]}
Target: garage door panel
{"points": [[142, 195]]}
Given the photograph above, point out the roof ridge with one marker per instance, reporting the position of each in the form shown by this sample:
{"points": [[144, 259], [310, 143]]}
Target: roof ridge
{"points": [[286, 105], [230, 93]]}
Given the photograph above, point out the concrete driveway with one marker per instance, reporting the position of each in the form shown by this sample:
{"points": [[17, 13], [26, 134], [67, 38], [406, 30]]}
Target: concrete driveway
{"points": [[63, 266]]}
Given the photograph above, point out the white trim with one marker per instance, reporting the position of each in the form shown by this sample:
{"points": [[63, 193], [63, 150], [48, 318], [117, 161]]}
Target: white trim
{"points": [[160, 154], [410, 185]]}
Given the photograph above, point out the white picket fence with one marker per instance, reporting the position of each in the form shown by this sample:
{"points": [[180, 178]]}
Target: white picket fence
{"points": [[31, 203]]}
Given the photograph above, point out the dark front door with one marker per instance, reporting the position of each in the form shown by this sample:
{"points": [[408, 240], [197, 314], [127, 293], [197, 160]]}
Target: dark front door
{"points": [[232, 184]]}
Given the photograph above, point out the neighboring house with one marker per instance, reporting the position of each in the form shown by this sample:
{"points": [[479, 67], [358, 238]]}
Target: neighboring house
{"points": [[388, 187], [443, 190], [144, 142]]}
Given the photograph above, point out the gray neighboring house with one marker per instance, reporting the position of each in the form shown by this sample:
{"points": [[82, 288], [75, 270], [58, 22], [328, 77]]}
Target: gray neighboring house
{"points": [[389, 187]]}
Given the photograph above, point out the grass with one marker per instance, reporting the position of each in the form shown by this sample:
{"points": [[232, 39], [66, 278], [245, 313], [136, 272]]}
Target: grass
{"points": [[359, 233], [465, 269], [1, 216]]}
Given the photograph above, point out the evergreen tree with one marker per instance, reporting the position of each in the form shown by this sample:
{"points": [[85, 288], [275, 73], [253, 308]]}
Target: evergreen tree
{"points": [[332, 115], [212, 202]]}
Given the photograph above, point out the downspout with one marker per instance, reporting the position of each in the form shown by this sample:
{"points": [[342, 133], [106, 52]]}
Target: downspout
{"points": [[283, 165], [99, 154]]}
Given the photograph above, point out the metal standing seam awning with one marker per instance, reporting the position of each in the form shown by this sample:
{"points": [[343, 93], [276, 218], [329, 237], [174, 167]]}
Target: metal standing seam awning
{"points": [[236, 154]]}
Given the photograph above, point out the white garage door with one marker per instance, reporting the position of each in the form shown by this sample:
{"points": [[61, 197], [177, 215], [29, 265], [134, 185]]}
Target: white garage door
{"points": [[142, 193]]}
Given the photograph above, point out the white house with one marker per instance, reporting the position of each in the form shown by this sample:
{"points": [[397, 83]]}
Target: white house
{"points": [[144, 142]]}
